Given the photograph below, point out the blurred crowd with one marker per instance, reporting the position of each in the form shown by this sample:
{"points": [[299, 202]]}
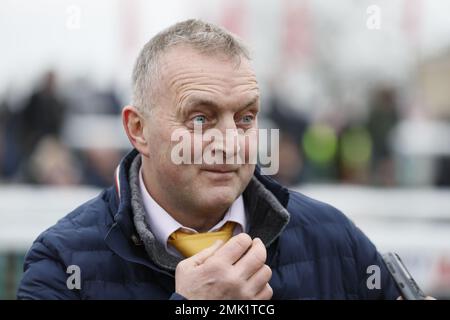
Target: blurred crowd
{"points": [[35, 147], [33, 142], [362, 151], [331, 150]]}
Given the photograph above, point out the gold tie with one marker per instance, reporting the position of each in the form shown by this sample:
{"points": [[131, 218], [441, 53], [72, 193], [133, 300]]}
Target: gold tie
{"points": [[189, 244]]}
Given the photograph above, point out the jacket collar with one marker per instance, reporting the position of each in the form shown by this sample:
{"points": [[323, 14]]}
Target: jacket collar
{"points": [[122, 237]]}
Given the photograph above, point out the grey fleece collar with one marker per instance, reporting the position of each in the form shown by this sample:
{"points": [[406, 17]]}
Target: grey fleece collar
{"points": [[266, 217]]}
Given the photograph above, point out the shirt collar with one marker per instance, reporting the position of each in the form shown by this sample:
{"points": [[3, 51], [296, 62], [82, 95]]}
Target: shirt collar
{"points": [[162, 224]]}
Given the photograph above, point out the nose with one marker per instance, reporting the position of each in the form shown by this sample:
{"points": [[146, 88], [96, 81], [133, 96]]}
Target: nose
{"points": [[227, 143]]}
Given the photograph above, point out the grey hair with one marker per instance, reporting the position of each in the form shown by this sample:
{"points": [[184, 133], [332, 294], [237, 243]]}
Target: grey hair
{"points": [[204, 37]]}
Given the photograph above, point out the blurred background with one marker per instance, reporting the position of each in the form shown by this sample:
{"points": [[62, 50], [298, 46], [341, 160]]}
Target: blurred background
{"points": [[360, 91]]}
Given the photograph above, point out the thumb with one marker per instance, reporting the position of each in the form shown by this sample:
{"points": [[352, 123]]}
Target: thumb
{"points": [[203, 255]]}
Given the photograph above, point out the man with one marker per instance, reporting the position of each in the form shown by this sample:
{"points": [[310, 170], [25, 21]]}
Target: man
{"points": [[134, 240]]}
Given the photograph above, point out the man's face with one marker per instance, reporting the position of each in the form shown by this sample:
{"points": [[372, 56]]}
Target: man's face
{"points": [[212, 91]]}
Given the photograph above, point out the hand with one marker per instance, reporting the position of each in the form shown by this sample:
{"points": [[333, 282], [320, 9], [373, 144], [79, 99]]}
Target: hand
{"points": [[234, 270]]}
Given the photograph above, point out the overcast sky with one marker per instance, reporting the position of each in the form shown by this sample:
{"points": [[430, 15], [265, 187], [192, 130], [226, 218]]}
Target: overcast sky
{"points": [[36, 35]]}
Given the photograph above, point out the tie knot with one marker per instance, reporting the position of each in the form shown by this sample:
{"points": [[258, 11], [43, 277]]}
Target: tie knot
{"points": [[189, 244]]}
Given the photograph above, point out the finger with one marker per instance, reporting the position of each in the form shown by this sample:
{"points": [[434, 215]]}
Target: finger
{"points": [[233, 250], [265, 294], [203, 255], [259, 280], [252, 260]]}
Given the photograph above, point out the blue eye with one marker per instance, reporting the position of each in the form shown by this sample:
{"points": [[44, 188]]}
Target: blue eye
{"points": [[199, 120], [247, 119]]}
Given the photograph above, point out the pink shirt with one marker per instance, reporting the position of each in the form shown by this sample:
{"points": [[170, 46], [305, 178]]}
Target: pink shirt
{"points": [[163, 225]]}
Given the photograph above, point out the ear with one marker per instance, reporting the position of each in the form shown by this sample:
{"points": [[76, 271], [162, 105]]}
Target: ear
{"points": [[134, 125]]}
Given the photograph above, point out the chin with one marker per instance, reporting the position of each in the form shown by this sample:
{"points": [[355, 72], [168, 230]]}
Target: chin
{"points": [[220, 196]]}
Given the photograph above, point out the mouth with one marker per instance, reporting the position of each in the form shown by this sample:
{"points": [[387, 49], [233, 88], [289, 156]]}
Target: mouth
{"points": [[221, 169], [220, 173]]}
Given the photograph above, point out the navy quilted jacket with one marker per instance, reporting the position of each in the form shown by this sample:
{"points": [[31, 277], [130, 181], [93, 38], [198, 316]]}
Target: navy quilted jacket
{"points": [[320, 254]]}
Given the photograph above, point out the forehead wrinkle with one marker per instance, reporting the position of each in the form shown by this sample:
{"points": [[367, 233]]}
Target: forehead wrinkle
{"points": [[207, 78], [199, 82], [203, 84], [174, 62], [196, 99], [219, 84], [213, 87], [211, 92], [206, 100]]}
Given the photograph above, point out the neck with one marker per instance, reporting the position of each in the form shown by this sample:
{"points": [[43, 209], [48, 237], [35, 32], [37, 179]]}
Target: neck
{"points": [[197, 222]]}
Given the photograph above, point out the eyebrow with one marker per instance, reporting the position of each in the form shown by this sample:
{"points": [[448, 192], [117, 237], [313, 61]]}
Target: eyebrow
{"points": [[196, 101]]}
